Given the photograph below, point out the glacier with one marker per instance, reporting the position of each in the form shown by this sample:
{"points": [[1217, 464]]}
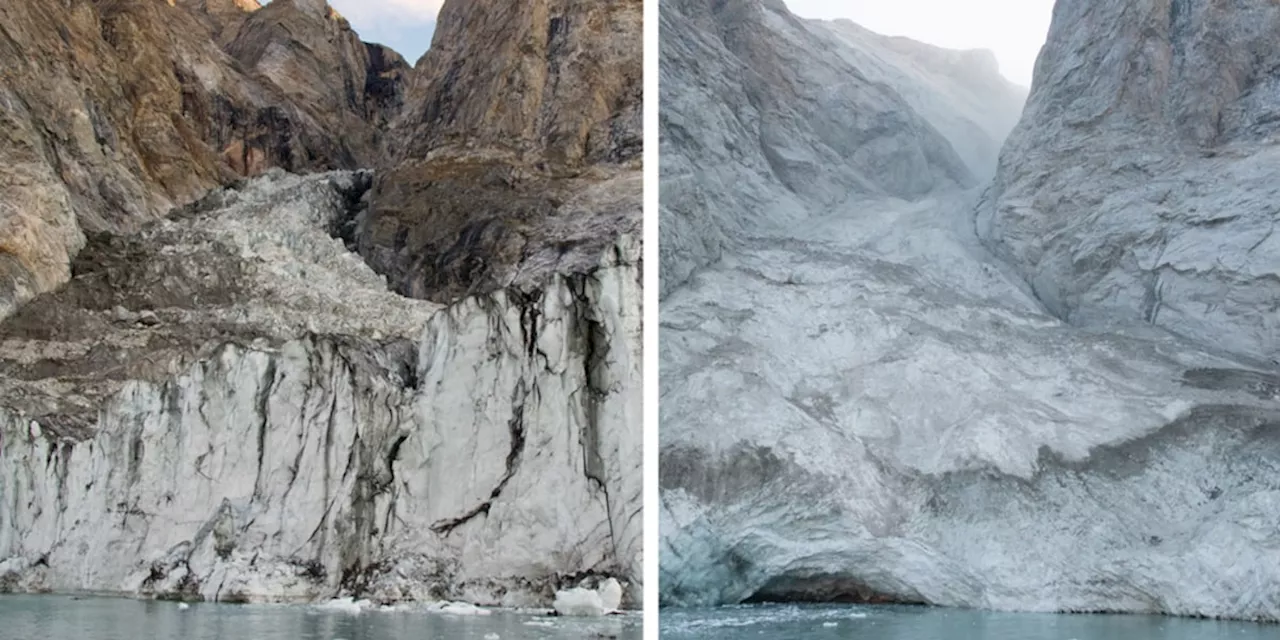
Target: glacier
{"points": [[344, 439], [867, 395]]}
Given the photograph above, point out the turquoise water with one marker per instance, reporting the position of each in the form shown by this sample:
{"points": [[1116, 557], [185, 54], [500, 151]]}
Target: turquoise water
{"points": [[64, 618], [791, 622]]}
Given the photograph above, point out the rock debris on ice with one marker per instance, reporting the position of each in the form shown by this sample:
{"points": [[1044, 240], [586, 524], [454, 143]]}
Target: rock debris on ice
{"points": [[293, 431], [862, 401]]}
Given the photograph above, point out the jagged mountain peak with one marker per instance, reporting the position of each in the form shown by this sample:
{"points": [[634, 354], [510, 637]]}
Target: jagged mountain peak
{"points": [[319, 8], [219, 7]]}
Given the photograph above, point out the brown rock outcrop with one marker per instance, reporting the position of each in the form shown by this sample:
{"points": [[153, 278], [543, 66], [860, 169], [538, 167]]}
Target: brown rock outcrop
{"points": [[512, 152], [111, 113], [320, 64], [223, 17], [518, 151]]}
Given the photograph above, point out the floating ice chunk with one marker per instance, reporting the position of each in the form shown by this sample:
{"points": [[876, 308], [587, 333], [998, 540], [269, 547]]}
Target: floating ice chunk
{"points": [[540, 623], [491, 636], [345, 605], [830, 624], [610, 595], [463, 609], [581, 602], [183, 605], [578, 602]]}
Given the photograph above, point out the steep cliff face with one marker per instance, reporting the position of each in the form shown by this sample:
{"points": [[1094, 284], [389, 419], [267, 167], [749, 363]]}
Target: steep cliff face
{"points": [[231, 406], [517, 155], [221, 399], [1142, 182], [223, 17], [747, 84], [870, 412], [961, 93], [312, 54], [114, 112], [872, 407]]}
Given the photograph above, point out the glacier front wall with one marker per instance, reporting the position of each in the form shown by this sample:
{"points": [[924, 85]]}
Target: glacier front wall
{"points": [[491, 462]]}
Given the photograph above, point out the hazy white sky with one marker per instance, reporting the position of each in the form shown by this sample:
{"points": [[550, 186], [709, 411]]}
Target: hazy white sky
{"points": [[403, 25], [1013, 29]]}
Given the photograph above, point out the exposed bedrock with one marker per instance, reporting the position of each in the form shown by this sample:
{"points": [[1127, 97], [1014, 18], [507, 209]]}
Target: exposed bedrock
{"points": [[766, 117], [112, 113], [1143, 182], [517, 153]]}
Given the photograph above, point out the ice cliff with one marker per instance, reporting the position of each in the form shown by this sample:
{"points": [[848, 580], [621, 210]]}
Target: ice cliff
{"points": [[281, 427], [220, 380], [862, 401]]}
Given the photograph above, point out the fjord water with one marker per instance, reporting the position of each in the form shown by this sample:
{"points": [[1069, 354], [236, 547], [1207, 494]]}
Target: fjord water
{"points": [[65, 618], [796, 622]]}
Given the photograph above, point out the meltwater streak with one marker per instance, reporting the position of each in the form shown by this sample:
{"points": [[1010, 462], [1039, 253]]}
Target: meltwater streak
{"points": [[66, 618], [796, 622]]}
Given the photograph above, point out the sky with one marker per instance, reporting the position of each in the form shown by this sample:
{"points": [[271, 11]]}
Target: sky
{"points": [[1014, 29], [403, 25]]}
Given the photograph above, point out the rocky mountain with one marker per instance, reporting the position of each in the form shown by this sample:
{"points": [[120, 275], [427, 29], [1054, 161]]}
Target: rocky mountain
{"points": [[747, 84], [960, 92], [1142, 182], [527, 168], [223, 17], [863, 402], [115, 112], [214, 392]]}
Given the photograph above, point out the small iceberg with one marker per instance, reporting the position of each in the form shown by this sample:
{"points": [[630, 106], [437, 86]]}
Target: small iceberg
{"points": [[580, 602], [463, 609], [345, 605]]}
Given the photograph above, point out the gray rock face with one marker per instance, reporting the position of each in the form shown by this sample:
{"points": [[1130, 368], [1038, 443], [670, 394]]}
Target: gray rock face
{"points": [[871, 406], [961, 93], [232, 406], [1143, 182], [765, 116]]}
